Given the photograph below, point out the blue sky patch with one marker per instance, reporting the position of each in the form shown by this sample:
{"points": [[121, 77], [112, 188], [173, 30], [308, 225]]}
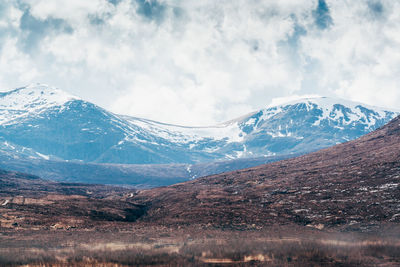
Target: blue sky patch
{"points": [[152, 10], [322, 16], [376, 8]]}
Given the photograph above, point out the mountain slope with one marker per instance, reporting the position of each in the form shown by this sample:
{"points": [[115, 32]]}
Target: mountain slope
{"points": [[38, 121], [73, 129], [351, 185]]}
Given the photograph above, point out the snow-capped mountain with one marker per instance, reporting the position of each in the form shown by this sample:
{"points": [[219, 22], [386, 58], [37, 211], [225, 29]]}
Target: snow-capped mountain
{"points": [[30, 101], [44, 122]]}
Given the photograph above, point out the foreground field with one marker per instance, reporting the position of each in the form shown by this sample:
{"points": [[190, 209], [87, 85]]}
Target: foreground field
{"points": [[148, 246]]}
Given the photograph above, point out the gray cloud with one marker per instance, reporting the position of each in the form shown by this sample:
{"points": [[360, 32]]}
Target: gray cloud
{"points": [[376, 8], [35, 30], [322, 15], [114, 2], [298, 32], [152, 10], [96, 20], [3, 7]]}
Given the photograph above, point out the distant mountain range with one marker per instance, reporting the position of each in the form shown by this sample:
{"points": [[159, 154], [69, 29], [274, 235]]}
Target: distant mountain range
{"points": [[42, 126]]}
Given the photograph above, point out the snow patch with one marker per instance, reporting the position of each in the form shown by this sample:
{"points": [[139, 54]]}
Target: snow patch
{"points": [[182, 134], [46, 157]]}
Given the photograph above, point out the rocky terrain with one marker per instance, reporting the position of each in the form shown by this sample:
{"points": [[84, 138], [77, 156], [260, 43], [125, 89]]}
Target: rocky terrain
{"points": [[28, 202], [354, 185], [335, 207]]}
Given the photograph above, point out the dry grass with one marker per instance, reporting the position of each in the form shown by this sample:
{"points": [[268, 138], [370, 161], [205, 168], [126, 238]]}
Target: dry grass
{"points": [[208, 248]]}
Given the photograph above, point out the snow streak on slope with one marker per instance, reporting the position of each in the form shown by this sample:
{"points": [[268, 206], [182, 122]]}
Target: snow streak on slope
{"points": [[185, 134], [356, 111]]}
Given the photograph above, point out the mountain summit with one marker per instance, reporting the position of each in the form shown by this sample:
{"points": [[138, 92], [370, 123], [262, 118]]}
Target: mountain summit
{"points": [[30, 100], [45, 122]]}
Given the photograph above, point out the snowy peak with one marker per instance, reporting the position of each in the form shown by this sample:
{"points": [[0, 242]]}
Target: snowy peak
{"points": [[347, 112], [310, 123], [329, 104], [34, 95], [31, 99], [324, 109]]}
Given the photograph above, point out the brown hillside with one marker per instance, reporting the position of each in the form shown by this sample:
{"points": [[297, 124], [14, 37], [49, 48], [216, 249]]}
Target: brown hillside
{"points": [[352, 185]]}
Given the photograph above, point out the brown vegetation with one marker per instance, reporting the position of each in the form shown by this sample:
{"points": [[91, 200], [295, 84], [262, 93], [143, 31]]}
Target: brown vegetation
{"points": [[147, 246], [335, 207], [351, 186]]}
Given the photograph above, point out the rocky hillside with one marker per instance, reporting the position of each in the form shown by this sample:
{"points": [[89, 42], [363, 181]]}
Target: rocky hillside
{"points": [[355, 185]]}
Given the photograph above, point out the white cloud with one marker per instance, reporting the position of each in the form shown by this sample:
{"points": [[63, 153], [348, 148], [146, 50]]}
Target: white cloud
{"points": [[203, 62], [72, 10], [15, 66], [358, 56]]}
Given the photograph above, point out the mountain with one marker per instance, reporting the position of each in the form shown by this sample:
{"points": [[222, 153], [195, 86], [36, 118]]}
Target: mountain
{"points": [[41, 122], [354, 185]]}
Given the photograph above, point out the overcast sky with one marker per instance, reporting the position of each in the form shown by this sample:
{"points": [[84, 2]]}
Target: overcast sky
{"points": [[201, 62]]}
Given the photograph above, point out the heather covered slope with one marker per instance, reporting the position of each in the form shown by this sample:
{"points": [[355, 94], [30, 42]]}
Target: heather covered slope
{"points": [[30, 203], [354, 185], [45, 223]]}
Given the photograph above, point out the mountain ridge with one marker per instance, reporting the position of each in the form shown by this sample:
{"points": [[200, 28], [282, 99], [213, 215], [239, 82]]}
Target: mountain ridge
{"points": [[271, 131], [52, 130]]}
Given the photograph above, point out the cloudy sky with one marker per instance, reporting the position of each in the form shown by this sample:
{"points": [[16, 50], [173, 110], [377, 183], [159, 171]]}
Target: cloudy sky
{"points": [[200, 62]]}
